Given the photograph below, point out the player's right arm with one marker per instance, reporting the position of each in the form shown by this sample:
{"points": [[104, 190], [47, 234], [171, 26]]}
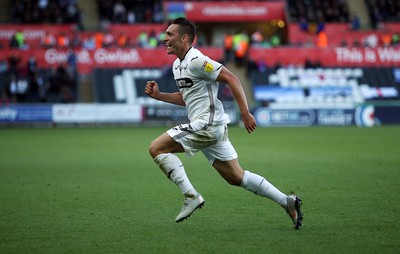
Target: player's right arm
{"points": [[152, 91]]}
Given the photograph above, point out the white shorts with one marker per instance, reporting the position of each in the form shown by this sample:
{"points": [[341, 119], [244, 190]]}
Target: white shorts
{"points": [[213, 142]]}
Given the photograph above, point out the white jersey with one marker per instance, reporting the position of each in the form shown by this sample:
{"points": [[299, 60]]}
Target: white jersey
{"points": [[196, 78]]}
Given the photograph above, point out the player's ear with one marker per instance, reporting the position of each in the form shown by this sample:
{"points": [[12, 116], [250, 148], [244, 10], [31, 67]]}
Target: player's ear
{"points": [[185, 37]]}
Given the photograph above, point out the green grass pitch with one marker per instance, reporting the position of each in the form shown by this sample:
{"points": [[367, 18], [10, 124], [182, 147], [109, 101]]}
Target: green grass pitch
{"points": [[96, 190]]}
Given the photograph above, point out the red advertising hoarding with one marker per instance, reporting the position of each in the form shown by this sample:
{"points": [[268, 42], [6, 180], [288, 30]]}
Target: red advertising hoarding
{"points": [[158, 58], [133, 31], [33, 34], [226, 11], [338, 34], [329, 57], [102, 58]]}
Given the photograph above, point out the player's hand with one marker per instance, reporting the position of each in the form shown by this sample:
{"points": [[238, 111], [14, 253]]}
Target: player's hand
{"points": [[151, 89], [249, 122]]}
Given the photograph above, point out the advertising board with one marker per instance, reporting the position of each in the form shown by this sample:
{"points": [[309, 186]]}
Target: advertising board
{"points": [[96, 113], [25, 113]]}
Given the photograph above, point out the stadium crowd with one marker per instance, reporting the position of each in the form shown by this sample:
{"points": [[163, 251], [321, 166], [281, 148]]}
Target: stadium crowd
{"points": [[383, 11], [319, 11], [130, 12], [25, 83], [46, 11], [30, 84]]}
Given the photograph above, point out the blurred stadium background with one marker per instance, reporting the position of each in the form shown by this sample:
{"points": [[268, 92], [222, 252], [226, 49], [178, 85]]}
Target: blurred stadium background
{"points": [[96, 190], [301, 62]]}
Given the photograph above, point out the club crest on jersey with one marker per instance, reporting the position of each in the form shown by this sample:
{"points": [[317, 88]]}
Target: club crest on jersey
{"points": [[208, 67]]}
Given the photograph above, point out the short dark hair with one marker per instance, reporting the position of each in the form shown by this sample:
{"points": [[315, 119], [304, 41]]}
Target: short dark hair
{"points": [[186, 27]]}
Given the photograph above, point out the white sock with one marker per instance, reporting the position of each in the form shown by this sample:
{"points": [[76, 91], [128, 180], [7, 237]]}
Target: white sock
{"points": [[173, 168], [260, 186]]}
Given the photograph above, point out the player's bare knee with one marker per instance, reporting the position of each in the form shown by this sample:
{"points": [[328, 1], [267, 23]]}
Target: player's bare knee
{"points": [[153, 150], [233, 180]]}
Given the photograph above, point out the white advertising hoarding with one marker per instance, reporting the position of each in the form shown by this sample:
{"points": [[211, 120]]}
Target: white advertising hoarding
{"points": [[97, 113]]}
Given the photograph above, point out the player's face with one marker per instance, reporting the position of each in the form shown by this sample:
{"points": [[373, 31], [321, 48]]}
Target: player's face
{"points": [[173, 40]]}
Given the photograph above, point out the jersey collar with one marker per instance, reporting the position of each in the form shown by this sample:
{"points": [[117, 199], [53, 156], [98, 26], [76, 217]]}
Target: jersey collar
{"points": [[186, 54]]}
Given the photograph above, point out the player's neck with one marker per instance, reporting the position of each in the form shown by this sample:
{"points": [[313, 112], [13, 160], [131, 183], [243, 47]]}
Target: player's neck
{"points": [[184, 53]]}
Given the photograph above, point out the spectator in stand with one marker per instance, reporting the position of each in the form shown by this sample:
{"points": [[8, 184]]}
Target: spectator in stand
{"points": [[261, 66], [396, 39], [61, 87], [355, 22], [32, 66], [343, 43], [49, 41], [72, 13], [158, 14], [123, 40], [72, 63], [3, 66], [42, 4], [275, 40], [240, 46], [131, 17], [371, 40], [309, 64], [89, 41], [142, 39], [34, 89], [12, 89], [119, 12], [42, 89], [161, 37], [62, 41], [356, 43], [3, 83], [322, 40], [152, 40], [76, 41], [98, 39], [108, 39], [20, 38], [386, 40], [18, 89], [53, 92], [13, 42], [13, 62], [257, 38], [228, 47]]}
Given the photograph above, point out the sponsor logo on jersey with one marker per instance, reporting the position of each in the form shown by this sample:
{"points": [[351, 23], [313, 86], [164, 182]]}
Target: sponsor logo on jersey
{"points": [[208, 67], [184, 83]]}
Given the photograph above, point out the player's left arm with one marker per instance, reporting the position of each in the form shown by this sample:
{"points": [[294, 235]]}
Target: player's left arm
{"points": [[227, 77], [152, 91]]}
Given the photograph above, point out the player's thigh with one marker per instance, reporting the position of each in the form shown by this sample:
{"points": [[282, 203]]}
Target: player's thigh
{"points": [[164, 144], [222, 150]]}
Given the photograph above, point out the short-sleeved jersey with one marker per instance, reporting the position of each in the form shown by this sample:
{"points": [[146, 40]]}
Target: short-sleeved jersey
{"points": [[196, 77]]}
